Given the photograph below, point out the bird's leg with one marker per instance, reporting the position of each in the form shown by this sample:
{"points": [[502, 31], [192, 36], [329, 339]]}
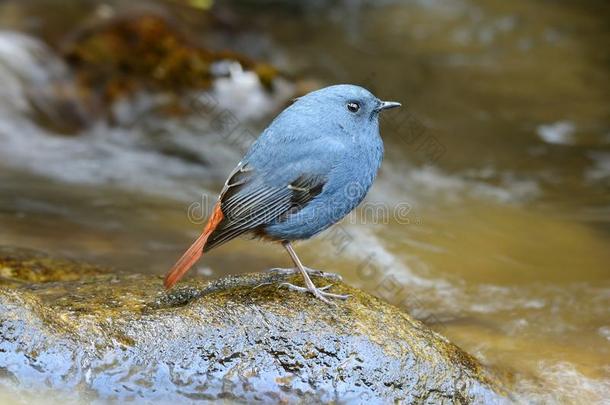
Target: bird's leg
{"points": [[312, 272], [319, 293]]}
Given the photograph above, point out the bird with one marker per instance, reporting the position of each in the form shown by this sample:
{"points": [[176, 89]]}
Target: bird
{"points": [[307, 170]]}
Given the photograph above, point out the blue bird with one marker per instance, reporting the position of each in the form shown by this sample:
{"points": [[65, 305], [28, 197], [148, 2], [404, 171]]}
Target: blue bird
{"points": [[310, 168]]}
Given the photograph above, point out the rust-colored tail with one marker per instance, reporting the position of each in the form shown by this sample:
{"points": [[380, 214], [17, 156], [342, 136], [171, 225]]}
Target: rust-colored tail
{"points": [[195, 251]]}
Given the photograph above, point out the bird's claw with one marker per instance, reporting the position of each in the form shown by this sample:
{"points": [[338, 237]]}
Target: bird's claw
{"points": [[319, 293]]}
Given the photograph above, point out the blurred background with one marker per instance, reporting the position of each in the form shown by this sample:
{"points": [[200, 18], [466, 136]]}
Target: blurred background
{"points": [[120, 121]]}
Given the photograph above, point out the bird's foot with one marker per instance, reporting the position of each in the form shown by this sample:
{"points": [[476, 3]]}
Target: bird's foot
{"points": [[311, 272], [319, 293]]}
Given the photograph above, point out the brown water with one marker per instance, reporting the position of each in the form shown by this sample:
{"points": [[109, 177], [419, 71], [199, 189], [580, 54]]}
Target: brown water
{"points": [[499, 168]]}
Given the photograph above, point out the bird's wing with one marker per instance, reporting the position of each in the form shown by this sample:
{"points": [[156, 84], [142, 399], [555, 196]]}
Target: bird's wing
{"points": [[247, 201]]}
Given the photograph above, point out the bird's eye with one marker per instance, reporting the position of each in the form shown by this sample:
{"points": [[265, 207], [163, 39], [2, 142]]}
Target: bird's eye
{"points": [[352, 106]]}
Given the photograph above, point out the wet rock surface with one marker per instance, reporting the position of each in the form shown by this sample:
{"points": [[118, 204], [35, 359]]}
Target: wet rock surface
{"points": [[122, 337]]}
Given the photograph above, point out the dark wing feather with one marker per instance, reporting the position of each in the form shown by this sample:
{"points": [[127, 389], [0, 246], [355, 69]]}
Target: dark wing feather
{"points": [[248, 203]]}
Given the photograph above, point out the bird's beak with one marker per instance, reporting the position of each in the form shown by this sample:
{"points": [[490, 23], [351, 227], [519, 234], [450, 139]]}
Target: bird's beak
{"points": [[386, 105]]}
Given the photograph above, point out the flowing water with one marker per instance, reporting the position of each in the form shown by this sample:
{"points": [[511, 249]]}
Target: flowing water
{"points": [[490, 219]]}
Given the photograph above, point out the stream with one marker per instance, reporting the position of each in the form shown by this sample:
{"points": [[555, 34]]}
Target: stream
{"points": [[490, 217]]}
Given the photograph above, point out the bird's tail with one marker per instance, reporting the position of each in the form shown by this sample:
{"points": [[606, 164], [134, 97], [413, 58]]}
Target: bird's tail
{"points": [[195, 251]]}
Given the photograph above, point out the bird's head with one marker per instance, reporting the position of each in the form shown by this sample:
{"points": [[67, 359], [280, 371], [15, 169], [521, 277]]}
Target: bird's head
{"points": [[346, 105]]}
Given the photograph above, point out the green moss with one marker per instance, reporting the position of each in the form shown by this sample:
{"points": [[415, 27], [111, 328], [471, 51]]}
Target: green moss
{"points": [[18, 266]]}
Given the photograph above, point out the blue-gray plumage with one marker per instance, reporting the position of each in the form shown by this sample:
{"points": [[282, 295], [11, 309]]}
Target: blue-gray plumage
{"points": [[311, 167]]}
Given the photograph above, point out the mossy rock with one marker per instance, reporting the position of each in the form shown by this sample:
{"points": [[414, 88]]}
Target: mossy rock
{"points": [[241, 338], [132, 52]]}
